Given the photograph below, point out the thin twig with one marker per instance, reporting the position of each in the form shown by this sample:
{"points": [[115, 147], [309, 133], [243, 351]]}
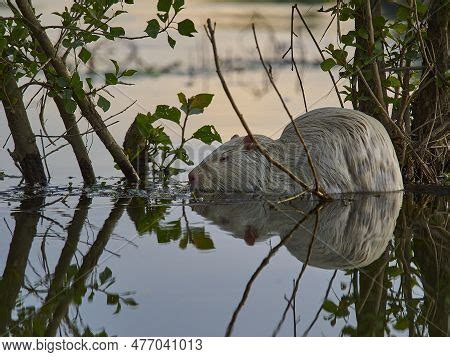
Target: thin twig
{"points": [[44, 157], [320, 52], [293, 62], [291, 118], [210, 32]]}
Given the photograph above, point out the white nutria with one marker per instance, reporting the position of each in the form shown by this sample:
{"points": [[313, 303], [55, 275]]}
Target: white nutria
{"points": [[350, 234], [351, 152]]}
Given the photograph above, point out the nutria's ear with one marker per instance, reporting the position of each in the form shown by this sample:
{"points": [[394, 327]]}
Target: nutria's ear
{"points": [[248, 143], [234, 136]]}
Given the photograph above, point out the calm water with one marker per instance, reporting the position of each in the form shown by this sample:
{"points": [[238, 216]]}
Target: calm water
{"points": [[116, 262], [127, 262]]}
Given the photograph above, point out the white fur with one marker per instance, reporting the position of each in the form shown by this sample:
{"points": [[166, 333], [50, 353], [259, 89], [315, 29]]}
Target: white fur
{"points": [[351, 151]]}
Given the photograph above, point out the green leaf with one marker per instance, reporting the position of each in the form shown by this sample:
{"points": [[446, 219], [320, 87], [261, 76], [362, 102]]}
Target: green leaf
{"points": [[346, 13], [421, 8], [129, 73], [207, 134], [164, 5], [152, 28], [447, 74], [348, 38], [144, 124], [103, 103], [403, 13], [327, 64], [84, 55], [200, 101], [163, 16], [161, 137], [4, 43], [89, 83], [340, 56], [178, 5], [182, 98], [70, 105], [400, 27], [362, 32], [168, 113], [379, 22], [116, 31], [181, 154], [171, 41], [111, 79], [394, 82], [186, 28], [116, 65]]}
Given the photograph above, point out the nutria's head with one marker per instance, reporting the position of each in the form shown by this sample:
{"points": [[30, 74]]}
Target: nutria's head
{"points": [[237, 166]]}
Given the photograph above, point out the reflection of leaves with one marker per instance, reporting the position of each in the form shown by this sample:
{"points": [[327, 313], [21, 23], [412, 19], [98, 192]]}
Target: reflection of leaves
{"points": [[89, 333], [330, 306], [394, 271], [105, 275], [198, 237], [169, 232], [78, 293], [112, 299], [130, 302], [149, 221], [402, 323], [349, 331]]}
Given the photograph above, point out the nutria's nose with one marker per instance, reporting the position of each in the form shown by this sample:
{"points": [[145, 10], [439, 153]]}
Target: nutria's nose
{"points": [[192, 177]]}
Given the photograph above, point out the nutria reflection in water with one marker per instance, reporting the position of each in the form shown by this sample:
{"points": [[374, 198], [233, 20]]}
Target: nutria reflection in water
{"points": [[350, 233], [351, 152]]}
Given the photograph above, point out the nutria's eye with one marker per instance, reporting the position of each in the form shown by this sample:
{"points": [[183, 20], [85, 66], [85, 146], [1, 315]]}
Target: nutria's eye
{"points": [[223, 158]]}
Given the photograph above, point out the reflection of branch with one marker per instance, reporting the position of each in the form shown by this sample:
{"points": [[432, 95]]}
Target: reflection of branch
{"points": [[370, 302], [263, 263], [73, 236], [188, 229], [13, 276], [89, 263], [330, 284], [302, 271]]}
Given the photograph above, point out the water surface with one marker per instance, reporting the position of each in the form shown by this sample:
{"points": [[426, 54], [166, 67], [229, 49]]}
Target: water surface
{"points": [[118, 263]]}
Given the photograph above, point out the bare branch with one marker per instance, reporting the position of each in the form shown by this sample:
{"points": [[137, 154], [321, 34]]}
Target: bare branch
{"points": [[210, 32]]}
